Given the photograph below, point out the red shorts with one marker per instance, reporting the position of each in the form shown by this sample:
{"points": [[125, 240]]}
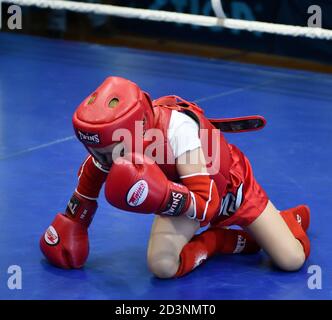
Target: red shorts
{"points": [[245, 199]]}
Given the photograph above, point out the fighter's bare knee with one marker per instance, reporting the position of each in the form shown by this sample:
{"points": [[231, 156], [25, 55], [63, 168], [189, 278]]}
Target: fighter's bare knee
{"points": [[163, 266], [292, 260]]}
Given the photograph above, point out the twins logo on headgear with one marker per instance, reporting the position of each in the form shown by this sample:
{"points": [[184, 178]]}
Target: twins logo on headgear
{"points": [[116, 104]]}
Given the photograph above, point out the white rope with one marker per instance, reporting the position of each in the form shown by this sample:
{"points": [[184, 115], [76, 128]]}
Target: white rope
{"points": [[218, 9], [167, 16]]}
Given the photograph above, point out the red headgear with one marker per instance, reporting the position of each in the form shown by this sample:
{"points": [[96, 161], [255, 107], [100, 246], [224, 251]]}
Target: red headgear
{"points": [[117, 104]]}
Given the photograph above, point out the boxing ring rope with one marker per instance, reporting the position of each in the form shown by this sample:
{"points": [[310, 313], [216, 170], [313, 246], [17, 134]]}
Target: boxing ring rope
{"points": [[166, 16]]}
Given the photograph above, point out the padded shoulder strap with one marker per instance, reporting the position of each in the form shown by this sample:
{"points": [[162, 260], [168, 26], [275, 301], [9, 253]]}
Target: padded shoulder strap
{"points": [[229, 125], [241, 124]]}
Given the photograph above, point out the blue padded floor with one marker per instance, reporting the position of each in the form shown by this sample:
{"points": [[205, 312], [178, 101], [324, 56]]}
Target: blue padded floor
{"points": [[41, 83]]}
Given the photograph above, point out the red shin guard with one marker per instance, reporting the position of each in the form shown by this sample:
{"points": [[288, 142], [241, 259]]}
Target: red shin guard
{"points": [[296, 228], [211, 242]]}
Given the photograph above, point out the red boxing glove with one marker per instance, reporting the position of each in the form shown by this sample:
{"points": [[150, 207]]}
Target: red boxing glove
{"points": [[135, 183], [66, 243]]}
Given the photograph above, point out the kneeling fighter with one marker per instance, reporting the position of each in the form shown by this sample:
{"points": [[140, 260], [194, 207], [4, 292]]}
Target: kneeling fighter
{"points": [[167, 158]]}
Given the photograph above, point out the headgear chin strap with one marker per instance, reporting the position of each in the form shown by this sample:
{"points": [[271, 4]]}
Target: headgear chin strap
{"points": [[116, 104]]}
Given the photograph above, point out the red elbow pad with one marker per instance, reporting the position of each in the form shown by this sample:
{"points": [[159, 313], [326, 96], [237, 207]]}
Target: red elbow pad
{"points": [[205, 196], [91, 178]]}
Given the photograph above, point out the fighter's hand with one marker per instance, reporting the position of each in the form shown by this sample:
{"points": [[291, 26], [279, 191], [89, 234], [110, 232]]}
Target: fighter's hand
{"points": [[65, 243], [135, 183]]}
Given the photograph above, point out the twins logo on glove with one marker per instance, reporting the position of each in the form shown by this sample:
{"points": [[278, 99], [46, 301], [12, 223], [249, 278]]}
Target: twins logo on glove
{"points": [[176, 203], [51, 236], [137, 193]]}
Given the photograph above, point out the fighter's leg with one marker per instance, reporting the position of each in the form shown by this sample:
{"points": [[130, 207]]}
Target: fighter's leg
{"points": [[282, 237], [175, 249], [168, 237]]}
